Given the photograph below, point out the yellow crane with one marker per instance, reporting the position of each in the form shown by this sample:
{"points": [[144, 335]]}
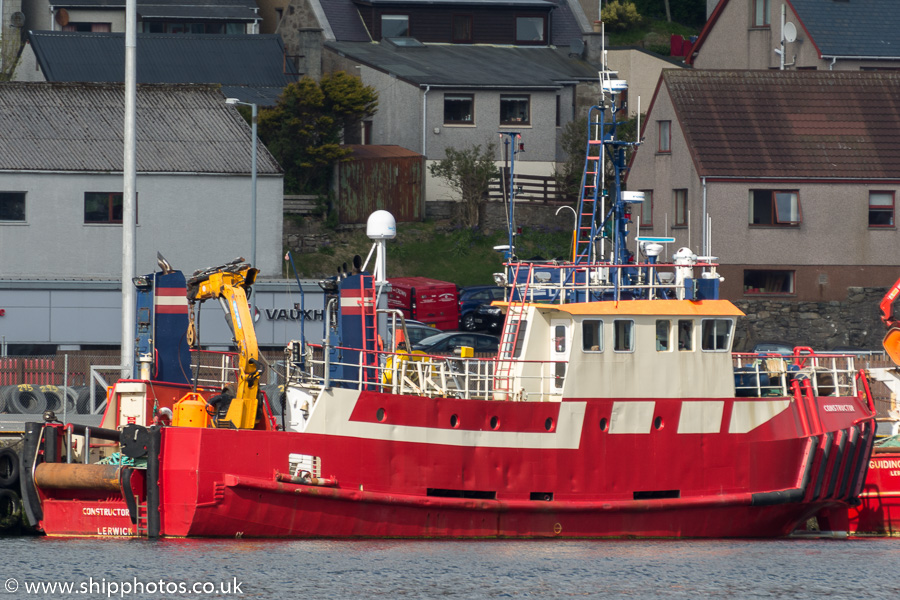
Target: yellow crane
{"points": [[230, 284]]}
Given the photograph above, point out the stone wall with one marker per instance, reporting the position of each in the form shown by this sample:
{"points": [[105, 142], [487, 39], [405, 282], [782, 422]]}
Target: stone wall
{"points": [[821, 325], [493, 214]]}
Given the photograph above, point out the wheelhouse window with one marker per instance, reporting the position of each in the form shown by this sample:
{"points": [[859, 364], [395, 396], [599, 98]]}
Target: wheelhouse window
{"points": [[530, 30], [780, 208], [12, 206], [760, 13], [394, 26], [681, 210], [645, 210], [515, 110], [462, 29], [881, 209], [715, 335], [592, 335], [765, 281], [685, 335], [665, 136], [663, 335], [459, 109], [623, 335], [103, 207]]}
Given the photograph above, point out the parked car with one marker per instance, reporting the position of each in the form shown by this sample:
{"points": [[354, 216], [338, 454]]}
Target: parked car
{"points": [[470, 298], [781, 348], [416, 330], [450, 341], [488, 317]]}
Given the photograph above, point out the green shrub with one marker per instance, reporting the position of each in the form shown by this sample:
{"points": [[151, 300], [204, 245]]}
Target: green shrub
{"points": [[621, 15]]}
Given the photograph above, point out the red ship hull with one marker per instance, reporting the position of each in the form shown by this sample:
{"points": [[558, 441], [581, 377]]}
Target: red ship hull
{"points": [[878, 513], [537, 470]]}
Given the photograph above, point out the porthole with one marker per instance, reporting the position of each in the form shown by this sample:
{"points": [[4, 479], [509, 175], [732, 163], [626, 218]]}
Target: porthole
{"points": [[454, 421], [657, 423], [603, 424], [495, 422], [548, 424], [379, 414]]}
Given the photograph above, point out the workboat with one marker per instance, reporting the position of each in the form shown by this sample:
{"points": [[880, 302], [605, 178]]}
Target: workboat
{"points": [[614, 407], [878, 511]]}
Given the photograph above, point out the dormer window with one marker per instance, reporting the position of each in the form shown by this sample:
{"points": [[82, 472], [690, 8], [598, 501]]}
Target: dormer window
{"points": [[462, 29], [394, 26], [530, 30]]}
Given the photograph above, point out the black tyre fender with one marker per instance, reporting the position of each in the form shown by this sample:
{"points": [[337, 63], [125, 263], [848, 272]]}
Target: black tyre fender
{"points": [[10, 507], [9, 468]]}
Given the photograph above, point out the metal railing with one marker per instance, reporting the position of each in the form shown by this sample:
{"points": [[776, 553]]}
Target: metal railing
{"points": [[431, 376], [758, 375]]}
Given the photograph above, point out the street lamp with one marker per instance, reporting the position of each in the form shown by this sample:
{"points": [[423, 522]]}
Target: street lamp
{"points": [[253, 177]]}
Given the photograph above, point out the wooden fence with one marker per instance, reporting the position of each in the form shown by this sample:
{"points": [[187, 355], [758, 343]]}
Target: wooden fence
{"points": [[529, 188]]}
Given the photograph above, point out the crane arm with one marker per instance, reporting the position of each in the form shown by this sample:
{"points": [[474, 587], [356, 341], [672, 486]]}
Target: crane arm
{"points": [[230, 285], [890, 314]]}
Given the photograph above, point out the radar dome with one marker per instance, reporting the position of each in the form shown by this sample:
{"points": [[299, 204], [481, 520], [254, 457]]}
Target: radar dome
{"points": [[381, 226]]}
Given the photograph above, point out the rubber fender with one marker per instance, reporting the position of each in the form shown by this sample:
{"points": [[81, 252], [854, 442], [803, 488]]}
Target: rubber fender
{"points": [[10, 508], [9, 468], [77, 477]]}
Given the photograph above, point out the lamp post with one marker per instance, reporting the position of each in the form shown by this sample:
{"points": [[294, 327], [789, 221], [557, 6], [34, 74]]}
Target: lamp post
{"points": [[253, 176]]}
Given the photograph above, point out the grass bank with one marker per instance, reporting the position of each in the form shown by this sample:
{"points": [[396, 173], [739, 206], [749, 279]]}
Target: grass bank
{"points": [[463, 256]]}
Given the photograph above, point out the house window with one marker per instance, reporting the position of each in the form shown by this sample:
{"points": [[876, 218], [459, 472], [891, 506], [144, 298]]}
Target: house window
{"points": [[592, 335], [775, 207], [645, 210], [665, 136], [623, 335], [881, 209], [557, 111], [530, 30], [459, 109], [394, 26], [760, 10], [681, 210], [685, 335], [663, 335], [462, 29], [103, 207], [715, 335], [764, 281], [12, 206], [515, 110]]}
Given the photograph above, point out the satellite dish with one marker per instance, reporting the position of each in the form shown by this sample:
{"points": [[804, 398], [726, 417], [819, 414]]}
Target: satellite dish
{"points": [[789, 32], [576, 47], [62, 17], [17, 19]]}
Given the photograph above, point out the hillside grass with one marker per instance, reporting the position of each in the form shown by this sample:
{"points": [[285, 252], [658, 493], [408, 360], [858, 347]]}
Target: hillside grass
{"points": [[462, 256]]}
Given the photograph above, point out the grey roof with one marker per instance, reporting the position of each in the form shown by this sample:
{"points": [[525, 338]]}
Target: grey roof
{"points": [[471, 66], [345, 22], [79, 127], [565, 26], [251, 65], [855, 28]]}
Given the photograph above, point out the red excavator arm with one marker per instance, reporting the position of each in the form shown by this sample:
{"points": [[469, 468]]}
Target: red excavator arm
{"points": [[890, 314]]}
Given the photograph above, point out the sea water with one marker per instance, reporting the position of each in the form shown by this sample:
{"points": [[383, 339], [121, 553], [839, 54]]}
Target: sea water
{"points": [[36, 567]]}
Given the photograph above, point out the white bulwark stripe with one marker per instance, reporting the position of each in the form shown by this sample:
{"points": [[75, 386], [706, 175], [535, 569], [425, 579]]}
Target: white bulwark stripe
{"points": [[631, 417], [171, 300], [747, 415], [331, 416], [701, 417]]}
